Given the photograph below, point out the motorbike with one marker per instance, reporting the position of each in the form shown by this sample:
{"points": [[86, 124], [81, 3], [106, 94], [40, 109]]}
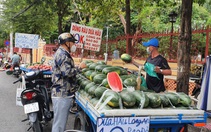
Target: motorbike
{"points": [[35, 100], [6, 65], [16, 71]]}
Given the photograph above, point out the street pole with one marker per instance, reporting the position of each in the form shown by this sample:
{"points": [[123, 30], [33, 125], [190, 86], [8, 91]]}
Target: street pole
{"points": [[172, 19], [170, 55], [11, 43], [106, 54]]}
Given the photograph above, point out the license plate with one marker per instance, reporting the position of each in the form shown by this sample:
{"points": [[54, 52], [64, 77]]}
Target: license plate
{"points": [[29, 108]]}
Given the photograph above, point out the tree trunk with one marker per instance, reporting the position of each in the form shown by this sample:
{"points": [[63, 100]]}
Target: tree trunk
{"points": [[128, 40], [123, 22], [60, 22], [184, 45]]}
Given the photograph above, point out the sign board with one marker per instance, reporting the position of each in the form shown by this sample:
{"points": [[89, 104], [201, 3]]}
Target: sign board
{"points": [[23, 40], [90, 37], [7, 42], [123, 124]]}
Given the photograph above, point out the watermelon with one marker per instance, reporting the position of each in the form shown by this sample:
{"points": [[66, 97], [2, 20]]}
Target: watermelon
{"points": [[174, 98], [94, 101], [185, 100], [99, 68], [123, 77], [89, 85], [114, 81], [123, 71], [82, 92], [87, 61], [114, 102], [141, 98], [126, 58], [105, 83], [84, 70], [88, 64], [99, 91], [164, 100], [79, 79], [101, 62], [128, 99], [99, 78], [106, 70], [92, 66], [130, 82], [86, 95], [84, 83], [92, 75], [91, 90], [106, 107], [154, 100], [88, 73]]}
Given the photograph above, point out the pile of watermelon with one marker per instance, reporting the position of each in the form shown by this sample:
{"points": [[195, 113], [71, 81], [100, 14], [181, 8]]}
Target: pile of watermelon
{"points": [[40, 66], [94, 87]]}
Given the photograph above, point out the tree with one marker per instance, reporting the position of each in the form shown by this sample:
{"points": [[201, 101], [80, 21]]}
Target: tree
{"points": [[28, 17], [128, 41], [184, 44], [63, 10]]}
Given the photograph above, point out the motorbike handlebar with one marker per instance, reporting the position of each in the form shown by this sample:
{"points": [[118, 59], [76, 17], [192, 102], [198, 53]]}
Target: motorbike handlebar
{"points": [[16, 81], [37, 72]]}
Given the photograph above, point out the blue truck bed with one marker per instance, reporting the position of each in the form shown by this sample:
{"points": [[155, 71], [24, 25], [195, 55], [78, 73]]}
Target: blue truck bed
{"points": [[159, 118]]}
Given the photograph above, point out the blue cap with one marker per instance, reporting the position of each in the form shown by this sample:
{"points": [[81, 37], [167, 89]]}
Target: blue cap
{"points": [[152, 42]]}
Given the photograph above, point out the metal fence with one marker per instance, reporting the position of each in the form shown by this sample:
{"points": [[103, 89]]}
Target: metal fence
{"points": [[168, 45]]}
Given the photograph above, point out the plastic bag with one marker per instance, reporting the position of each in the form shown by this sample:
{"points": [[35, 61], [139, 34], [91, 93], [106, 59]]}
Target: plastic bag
{"points": [[149, 68], [20, 88], [143, 82], [143, 85]]}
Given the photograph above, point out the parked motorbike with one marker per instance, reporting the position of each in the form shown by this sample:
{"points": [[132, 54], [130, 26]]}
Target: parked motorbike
{"points": [[197, 88], [198, 81], [6, 65], [16, 71], [35, 100], [1, 62]]}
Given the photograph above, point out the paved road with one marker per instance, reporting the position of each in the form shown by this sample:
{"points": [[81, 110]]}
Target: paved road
{"points": [[10, 114]]}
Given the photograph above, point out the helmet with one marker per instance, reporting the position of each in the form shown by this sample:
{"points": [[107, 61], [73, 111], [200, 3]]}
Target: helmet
{"points": [[66, 37]]}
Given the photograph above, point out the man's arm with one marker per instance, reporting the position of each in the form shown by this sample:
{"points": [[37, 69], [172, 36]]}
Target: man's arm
{"points": [[68, 70], [135, 63], [165, 71]]}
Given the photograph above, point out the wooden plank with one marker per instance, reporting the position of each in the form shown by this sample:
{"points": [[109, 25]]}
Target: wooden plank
{"points": [[117, 62]]}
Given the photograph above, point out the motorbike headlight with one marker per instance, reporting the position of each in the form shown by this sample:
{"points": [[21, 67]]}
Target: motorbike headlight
{"points": [[16, 68]]}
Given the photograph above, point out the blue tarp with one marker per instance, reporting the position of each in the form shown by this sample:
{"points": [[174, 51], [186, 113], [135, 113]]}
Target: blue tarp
{"points": [[204, 99]]}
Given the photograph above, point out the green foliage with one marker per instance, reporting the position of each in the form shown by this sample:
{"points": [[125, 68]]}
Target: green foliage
{"points": [[49, 17], [200, 16]]}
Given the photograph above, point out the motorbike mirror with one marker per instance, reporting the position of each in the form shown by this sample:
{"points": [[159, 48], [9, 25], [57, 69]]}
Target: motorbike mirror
{"points": [[43, 60]]}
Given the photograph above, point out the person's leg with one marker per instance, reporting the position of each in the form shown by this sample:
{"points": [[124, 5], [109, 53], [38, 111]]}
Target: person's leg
{"points": [[61, 107]]}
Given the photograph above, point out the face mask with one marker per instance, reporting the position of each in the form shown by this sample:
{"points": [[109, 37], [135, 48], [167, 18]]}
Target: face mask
{"points": [[148, 51], [73, 48]]}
